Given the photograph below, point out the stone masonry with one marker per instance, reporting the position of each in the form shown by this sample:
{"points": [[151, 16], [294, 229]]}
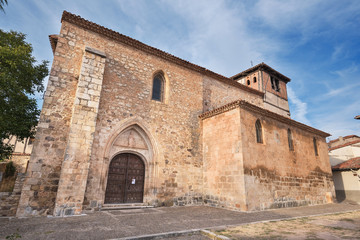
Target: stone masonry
{"points": [[98, 106], [74, 170], [238, 173]]}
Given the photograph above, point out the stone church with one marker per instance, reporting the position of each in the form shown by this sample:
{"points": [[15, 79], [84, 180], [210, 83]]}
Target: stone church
{"points": [[126, 123]]}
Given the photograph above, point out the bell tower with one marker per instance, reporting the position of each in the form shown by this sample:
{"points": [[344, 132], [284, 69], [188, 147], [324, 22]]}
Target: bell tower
{"points": [[264, 78]]}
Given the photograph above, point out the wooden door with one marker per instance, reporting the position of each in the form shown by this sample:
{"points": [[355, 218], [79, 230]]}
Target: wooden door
{"points": [[125, 179]]}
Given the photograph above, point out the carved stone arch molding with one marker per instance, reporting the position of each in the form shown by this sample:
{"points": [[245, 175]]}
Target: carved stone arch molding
{"points": [[133, 137]]}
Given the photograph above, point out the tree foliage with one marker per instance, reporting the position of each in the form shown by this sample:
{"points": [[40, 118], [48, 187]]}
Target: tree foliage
{"points": [[20, 79]]}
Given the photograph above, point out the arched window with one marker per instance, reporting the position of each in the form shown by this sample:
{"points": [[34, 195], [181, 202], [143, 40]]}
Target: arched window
{"points": [[259, 137], [254, 79], [158, 87], [248, 82], [290, 140], [315, 147]]}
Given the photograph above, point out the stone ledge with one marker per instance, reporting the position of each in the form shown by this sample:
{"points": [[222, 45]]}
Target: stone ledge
{"points": [[95, 51], [250, 107]]}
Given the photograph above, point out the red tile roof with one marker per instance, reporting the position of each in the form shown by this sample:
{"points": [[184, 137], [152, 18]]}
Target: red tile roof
{"points": [[53, 41], [81, 22], [345, 144], [346, 137], [353, 163], [264, 112], [262, 66]]}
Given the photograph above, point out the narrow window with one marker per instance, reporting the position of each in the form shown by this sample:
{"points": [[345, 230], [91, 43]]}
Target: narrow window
{"points": [[254, 79], [272, 83], [275, 84], [158, 87], [248, 82], [277, 87], [315, 147], [290, 140], [258, 127]]}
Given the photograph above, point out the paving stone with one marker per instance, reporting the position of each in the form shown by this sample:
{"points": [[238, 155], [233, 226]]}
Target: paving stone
{"points": [[108, 225]]}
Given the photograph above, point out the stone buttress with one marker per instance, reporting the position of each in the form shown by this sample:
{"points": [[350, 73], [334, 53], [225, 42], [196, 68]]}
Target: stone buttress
{"points": [[58, 168], [75, 167]]}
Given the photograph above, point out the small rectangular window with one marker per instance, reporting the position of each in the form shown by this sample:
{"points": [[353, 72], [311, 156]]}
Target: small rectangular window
{"points": [[275, 84], [272, 83]]}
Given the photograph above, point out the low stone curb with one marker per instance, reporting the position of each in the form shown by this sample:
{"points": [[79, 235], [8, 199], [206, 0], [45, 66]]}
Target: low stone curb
{"points": [[159, 235], [207, 233], [213, 236]]}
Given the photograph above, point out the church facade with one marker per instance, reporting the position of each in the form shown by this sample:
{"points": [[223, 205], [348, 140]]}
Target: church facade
{"points": [[123, 122]]}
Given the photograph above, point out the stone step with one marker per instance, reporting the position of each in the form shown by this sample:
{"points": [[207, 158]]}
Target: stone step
{"points": [[124, 206]]}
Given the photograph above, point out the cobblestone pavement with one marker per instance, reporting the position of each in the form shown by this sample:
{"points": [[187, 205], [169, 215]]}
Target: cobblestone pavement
{"points": [[136, 222]]}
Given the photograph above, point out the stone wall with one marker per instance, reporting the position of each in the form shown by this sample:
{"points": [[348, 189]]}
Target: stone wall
{"points": [[41, 184], [74, 170], [266, 78], [217, 94], [20, 161], [9, 200], [275, 101], [276, 176], [264, 175], [171, 128], [174, 160], [347, 185], [10, 187], [223, 164], [98, 104]]}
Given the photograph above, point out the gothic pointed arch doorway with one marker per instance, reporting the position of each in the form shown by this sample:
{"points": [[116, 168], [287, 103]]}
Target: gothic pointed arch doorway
{"points": [[125, 182]]}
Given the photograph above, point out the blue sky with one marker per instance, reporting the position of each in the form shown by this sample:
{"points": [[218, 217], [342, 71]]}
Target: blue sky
{"points": [[315, 43]]}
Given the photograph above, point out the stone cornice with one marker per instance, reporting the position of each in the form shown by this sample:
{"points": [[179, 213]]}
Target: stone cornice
{"points": [[222, 109], [95, 51], [81, 22], [250, 107]]}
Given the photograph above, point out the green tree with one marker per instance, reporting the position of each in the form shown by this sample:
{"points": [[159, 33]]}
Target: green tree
{"points": [[2, 2], [20, 78]]}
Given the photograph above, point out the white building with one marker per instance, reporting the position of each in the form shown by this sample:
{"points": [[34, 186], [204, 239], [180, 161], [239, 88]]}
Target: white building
{"points": [[344, 155]]}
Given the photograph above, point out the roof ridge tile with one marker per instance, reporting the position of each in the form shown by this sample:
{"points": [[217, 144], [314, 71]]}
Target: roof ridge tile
{"points": [[79, 21]]}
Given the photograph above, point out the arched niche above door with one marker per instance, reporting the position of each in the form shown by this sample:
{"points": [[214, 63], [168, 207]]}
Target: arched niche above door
{"points": [[131, 138]]}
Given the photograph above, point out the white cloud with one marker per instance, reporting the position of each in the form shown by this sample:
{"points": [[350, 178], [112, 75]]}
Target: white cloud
{"points": [[340, 121], [338, 52], [218, 35], [343, 90], [300, 111], [307, 18], [280, 15], [225, 36], [347, 72]]}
